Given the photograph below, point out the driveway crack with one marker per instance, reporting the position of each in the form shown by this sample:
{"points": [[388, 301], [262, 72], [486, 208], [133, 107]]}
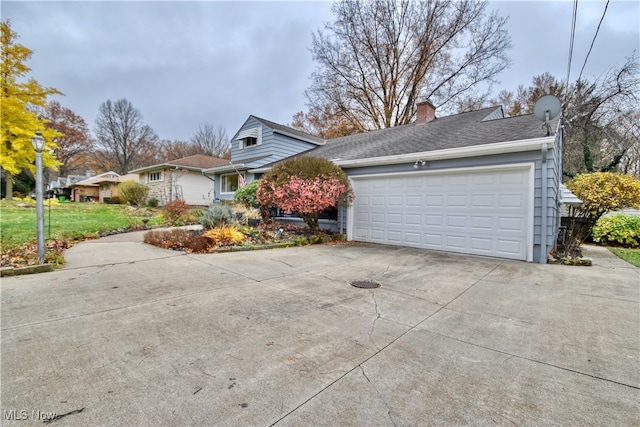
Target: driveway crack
{"points": [[373, 324], [379, 395]]}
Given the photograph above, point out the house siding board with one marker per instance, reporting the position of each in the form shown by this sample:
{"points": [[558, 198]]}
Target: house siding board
{"points": [[196, 189], [275, 145]]}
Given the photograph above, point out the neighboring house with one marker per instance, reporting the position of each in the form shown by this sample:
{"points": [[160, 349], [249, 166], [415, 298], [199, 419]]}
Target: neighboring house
{"points": [[474, 183], [61, 187], [109, 185], [259, 142], [93, 189], [181, 179]]}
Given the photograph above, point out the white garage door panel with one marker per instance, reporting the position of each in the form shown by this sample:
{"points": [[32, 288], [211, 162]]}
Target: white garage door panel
{"points": [[477, 212]]}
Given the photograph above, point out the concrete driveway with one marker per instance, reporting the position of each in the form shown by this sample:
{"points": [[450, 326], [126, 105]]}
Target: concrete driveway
{"points": [[130, 335]]}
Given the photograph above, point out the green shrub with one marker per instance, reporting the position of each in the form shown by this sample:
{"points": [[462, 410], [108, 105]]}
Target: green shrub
{"points": [[116, 200], [194, 216], [317, 239], [133, 193], [217, 215], [153, 203], [247, 195], [621, 230], [300, 241]]}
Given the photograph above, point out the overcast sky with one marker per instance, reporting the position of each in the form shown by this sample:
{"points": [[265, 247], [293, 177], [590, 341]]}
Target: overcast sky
{"points": [[184, 63]]}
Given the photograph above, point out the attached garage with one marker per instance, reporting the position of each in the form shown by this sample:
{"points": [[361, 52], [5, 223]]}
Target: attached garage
{"points": [[481, 211], [474, 183]]}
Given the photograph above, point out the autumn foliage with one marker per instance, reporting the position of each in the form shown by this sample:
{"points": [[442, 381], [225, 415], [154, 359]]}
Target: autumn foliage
{"points": [[601, 192], [604, 192], [20, 98], [305, 185]]}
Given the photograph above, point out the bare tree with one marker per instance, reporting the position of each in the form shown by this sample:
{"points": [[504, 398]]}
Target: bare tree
{"points": [[601, 117], [176, 149], [377, 58], [599, 121], [629, 133], [211, 140], [323, 121], [123, 140]]}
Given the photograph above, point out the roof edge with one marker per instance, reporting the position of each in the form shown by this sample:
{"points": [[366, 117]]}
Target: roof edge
{"points": [[451, 153]]}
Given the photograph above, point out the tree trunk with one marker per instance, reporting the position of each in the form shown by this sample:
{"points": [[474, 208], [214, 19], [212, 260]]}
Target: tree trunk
{"points": [[311, 220], [8, 186]]}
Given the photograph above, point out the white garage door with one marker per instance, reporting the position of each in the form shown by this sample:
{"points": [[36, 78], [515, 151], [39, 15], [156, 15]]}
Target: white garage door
{"points": [[473, 211]]}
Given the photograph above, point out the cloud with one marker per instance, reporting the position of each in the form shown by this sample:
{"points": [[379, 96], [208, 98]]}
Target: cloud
{"points": [[183, 63]]}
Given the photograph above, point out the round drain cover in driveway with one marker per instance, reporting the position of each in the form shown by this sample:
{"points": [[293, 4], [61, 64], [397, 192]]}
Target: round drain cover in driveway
{"points": [[365, 284]]}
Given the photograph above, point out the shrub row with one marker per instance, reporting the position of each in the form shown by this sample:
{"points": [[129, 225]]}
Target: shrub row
{"points": [[618, 230]]}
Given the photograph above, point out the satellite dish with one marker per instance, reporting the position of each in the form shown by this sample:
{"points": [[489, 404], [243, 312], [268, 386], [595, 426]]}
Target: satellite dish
{"points": [[547, 108]]}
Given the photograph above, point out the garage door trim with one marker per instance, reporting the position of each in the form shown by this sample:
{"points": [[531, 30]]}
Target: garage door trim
{"points": [[528, 167]]}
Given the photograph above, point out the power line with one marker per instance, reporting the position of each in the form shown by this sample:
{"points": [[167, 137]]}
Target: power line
{"points": [[594, 39], [573, 33]]}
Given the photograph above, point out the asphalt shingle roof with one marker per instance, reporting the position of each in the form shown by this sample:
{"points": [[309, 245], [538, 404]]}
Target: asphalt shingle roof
{"points": [[456, 131], [199, 161], [291, 131]]}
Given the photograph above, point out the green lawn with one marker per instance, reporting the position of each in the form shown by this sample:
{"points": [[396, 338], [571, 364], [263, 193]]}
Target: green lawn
{"points": [[632, 256], [65, 220]]}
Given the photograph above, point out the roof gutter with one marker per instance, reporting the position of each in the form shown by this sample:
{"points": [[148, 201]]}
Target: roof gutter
{"points": [[164, 166], [533, 144], [231, 167]]}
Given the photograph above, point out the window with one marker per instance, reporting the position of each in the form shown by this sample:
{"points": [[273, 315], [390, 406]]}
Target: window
{"points": [[249, 141], [229, 183], [154, 177], [249, 138]]}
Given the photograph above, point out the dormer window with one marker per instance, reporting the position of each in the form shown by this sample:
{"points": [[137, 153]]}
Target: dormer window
{"points": [[249, 138], [250, 141]]}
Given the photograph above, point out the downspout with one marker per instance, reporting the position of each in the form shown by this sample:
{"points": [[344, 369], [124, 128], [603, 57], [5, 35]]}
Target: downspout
{"points": [[214, 184], [543, 223]]}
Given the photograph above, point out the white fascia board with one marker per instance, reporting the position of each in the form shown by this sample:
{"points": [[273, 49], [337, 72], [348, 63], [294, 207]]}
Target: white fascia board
{"points": [[453, 153], [260, 170], [224, 168], [163, 167]]}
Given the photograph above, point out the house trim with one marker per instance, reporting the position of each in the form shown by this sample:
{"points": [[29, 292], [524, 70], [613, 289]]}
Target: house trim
{"points": [[452, 153], [528, 166], [449, 153], [290, 135]]}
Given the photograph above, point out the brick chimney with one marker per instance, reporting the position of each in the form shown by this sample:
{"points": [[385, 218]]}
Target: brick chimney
{"points": [[426, 112]]}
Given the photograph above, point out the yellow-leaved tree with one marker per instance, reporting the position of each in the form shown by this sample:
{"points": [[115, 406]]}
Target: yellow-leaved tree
{"points": [[601, 193], [19, 119]]}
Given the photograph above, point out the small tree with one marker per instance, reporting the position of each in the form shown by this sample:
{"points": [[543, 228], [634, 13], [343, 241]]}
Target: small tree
{"points": [[133, 193], [600, 192], [306, 185]]}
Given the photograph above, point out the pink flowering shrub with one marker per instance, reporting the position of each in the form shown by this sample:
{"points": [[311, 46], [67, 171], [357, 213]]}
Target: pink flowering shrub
{"points": [[306, 185]]}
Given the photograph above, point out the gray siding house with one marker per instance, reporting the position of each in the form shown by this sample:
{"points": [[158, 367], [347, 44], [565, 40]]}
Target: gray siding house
{"points": [[474, 183], [257, 143]]}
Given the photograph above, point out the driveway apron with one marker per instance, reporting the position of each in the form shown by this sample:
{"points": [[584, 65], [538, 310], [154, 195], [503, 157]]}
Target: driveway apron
{"points": [[128, 334]]}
